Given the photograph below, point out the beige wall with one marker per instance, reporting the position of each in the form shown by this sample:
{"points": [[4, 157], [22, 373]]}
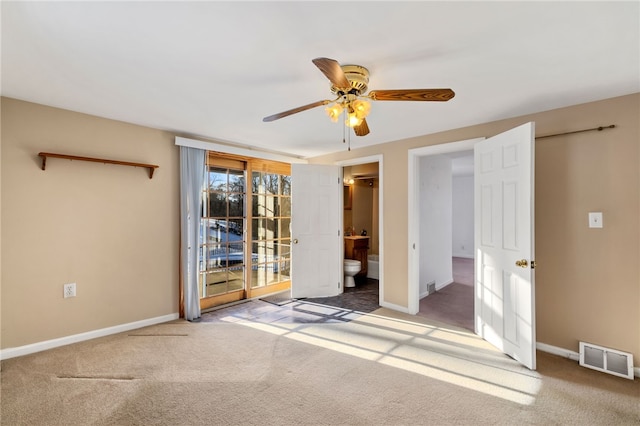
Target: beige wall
{"points": [[114, 231], [588, 280], [108, 228]]}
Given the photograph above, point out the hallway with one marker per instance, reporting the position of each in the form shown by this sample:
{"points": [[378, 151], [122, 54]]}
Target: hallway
{"points": [[453, 304]]}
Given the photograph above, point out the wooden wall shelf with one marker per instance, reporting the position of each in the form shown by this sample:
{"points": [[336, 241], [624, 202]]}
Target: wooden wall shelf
{"points": [[44, 156]]}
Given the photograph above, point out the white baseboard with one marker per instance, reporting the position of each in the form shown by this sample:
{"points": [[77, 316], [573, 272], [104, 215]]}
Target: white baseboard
{"points": [[395, 307], [444, 284], [565, 353], [463, 255], [67, 340], [438, 287], [575, 356]]}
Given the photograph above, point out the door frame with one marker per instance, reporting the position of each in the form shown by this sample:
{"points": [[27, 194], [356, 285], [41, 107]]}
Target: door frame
{"points": [[413, 191], [364, 160]]}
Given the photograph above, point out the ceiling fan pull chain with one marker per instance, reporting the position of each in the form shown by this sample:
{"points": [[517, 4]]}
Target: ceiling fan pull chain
{"points": [[344, 115]]}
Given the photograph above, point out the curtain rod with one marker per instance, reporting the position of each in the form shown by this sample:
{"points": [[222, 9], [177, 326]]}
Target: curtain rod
{"points": [[599, 129]]}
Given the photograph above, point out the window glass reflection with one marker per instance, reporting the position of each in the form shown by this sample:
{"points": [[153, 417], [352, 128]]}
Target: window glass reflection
{"points": [[236, 181], [217, 179]]}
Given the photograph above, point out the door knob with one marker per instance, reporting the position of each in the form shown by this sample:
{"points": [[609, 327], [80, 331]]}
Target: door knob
{"points": [[295, 241], [523, 263]]}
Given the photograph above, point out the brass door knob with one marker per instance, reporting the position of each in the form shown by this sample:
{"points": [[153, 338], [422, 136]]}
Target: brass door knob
{"points": [[523, 263]]}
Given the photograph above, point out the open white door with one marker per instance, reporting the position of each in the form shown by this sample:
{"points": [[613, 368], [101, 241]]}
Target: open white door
{"points": [[316, 237], [504, 243]]}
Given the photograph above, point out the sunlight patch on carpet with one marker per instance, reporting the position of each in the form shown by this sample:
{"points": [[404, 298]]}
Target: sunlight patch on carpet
{"points": [[450, 356]]}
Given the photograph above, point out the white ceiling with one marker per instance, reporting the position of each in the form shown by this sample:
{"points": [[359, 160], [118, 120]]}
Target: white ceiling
{"points": [[215, 69]]}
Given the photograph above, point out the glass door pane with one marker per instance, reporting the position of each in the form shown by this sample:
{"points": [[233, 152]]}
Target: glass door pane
{"points": [[222, 249], [270, 231]]}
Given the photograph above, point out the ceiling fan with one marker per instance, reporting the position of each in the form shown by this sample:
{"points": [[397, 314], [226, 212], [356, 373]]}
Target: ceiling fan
{"points": [[350, 83]]}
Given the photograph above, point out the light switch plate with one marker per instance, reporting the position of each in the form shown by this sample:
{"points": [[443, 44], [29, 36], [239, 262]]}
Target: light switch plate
{"points": [[595, 220]]}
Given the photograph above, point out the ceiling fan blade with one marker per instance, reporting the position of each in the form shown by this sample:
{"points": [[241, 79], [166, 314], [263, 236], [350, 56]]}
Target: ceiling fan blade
{"points": [[441, 95], [331, 68], [362, 129], [294, 111]]}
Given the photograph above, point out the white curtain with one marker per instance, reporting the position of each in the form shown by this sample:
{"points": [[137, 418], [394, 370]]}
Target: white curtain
{"points": [[191, 182]]}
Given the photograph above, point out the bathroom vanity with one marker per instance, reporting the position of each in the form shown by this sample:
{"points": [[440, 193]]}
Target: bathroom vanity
{"points": [[356, 247]]}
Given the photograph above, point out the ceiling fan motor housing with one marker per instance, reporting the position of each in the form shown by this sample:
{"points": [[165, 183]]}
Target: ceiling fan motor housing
{"points": [[358, 77]]}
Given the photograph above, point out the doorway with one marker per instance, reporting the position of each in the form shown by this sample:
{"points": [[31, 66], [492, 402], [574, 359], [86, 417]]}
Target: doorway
{"points": [[446, 239], [362, 217], [443, 252]]}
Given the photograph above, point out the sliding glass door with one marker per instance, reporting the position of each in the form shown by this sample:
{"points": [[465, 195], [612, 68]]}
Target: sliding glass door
{"points": [[244, 239]]}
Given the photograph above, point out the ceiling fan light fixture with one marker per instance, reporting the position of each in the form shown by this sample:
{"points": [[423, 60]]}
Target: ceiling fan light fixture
{"points": [[353, 120], [361, 108], [334, 111]]}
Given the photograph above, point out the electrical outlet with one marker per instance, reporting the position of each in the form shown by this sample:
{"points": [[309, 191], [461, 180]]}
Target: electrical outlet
{"points": [[595, 220], [70, 290]]}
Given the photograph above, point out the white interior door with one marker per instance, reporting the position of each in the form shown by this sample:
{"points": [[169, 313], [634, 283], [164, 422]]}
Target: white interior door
{"points": [[504, 243], [316, 237]]}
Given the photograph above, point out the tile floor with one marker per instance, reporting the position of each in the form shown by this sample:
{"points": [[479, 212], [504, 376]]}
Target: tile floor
{"points": [[364, 297], [351, 304], [296, 311]]}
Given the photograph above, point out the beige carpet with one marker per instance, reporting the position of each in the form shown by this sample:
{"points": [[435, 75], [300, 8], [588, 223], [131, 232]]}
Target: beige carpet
{"points": [[383, 368], [453, 304]]}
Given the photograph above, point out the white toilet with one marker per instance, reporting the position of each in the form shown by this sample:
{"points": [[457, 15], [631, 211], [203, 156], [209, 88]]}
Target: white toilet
{"points": [[351, 268]]}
